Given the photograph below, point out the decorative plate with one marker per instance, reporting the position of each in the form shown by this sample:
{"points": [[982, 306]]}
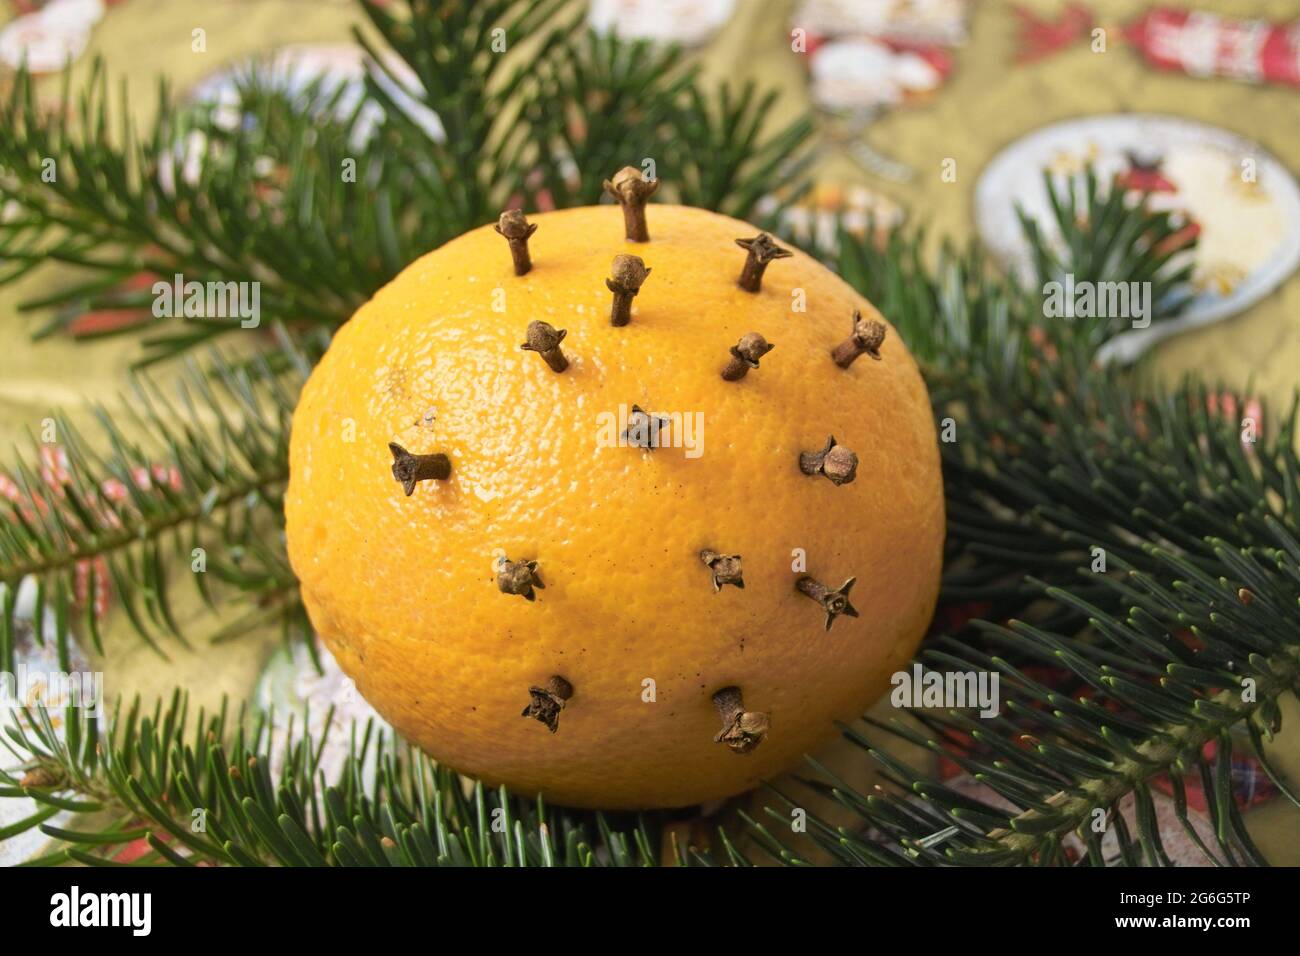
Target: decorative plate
{"points": [[1244, 203]]}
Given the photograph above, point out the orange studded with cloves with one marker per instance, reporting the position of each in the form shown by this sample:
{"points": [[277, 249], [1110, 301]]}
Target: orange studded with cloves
{"points": [[621, 577]]}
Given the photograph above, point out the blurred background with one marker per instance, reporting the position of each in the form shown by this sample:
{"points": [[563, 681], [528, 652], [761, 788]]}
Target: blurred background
{"points": [[943, 112]]}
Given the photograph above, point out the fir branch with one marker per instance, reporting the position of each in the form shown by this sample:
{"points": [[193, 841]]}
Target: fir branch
{"points": [[1151, 707], [1109, 234], [213, 201], [229, 789], [196, 197], [461, 57], [598, 103], [725, 164], [1056, 464], [202, 486]]}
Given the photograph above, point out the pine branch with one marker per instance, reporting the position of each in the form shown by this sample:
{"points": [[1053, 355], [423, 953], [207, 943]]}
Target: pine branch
{"points": [[601, 103], [727, 166], [202, 487], [1108, 234], [1058, 757], [460, 55], [1053, 460], [229, 789], [197, 196]]}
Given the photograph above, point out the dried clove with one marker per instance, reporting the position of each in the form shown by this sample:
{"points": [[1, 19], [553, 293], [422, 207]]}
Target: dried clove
{"points": [[834, 603], [542, 338], [836, 462], [409, 469], [725, 569], [866, 339], [742, 730], [627, 275], [762, 250], [519, 577], [745, 355], [632, 190], [517, 231], [548, 701]]}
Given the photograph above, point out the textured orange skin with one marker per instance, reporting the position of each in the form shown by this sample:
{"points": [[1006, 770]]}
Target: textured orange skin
{"points": [[403, 589]]}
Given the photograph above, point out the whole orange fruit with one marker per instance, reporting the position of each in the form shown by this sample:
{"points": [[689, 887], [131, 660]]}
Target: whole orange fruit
{"points": [[408, 591]]}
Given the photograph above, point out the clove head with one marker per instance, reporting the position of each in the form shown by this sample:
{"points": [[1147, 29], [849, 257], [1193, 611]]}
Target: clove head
{"points": [[869, 334], [742, 730], [837, 463], [542, 336], [833, 602], [547, 702], [519, 577], [627, 274], [866, 338], [762, 249], [724, 568], [629, 185], [751, 348], [513, 224], [410, 469]]}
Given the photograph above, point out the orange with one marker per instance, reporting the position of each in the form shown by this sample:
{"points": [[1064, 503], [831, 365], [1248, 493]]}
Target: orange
{"points": [[404, 591]]}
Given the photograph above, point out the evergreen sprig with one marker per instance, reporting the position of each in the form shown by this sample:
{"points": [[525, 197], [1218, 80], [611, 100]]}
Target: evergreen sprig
{"points": [[229, 789], [727, 165], [602, 103], [201, 490], [1098, 235], [213, 200], [199, 198], [459, 54], [1109, 528]]}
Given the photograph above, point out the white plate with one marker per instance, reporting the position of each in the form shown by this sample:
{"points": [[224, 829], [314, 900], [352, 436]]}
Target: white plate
{"points": [[1271, 247], [688, 22], [40, 44]]}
